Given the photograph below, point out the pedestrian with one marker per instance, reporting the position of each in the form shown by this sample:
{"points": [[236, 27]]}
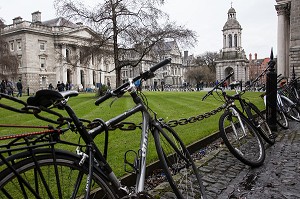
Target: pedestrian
{"points": [[50, 87], [20, 88], [10, 88], [58, 86], [67, 86], [3, 87]]}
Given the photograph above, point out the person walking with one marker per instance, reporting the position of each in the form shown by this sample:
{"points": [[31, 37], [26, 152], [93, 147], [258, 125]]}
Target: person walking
{"points": [[20, 88], [10, 88], [50, 87], [3, 87]]}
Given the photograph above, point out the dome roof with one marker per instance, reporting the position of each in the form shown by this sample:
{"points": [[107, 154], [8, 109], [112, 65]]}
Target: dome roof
{"points": [[232, 24], [231, 10]]}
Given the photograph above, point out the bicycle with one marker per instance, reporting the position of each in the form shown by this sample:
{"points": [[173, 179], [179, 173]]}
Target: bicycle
{"points": [[242, 135], [286, 108], [86, 173]]}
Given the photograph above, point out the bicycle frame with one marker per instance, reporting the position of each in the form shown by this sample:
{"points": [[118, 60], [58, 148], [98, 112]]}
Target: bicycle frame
{"points": [[147, 124]]}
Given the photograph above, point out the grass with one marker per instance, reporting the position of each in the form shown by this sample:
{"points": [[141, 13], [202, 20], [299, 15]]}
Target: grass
{"points": [[167, 105]]}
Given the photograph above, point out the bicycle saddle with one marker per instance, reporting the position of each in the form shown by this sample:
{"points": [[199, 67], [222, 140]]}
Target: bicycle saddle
{"points": [[46, 98]]}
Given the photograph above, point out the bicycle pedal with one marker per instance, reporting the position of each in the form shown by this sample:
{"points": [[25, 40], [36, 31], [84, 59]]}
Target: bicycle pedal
{"points": [[131, 160]]}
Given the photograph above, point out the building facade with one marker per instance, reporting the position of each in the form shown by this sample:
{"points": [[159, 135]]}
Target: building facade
{"points": [[50, 52], [170, 75], [232, 56], [288, 37]]}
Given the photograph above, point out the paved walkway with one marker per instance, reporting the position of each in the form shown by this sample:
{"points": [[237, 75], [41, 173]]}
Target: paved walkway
{"points": [[279, 178]]}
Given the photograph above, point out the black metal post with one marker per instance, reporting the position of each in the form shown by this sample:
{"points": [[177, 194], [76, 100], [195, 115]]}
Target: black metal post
{"points": [[271, 94]]}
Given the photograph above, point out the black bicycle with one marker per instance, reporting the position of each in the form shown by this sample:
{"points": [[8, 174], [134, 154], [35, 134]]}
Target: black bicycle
{"points": [[241, 130], [38, 166]]}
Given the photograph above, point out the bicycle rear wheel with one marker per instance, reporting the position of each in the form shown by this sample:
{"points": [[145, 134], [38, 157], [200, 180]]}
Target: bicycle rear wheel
{"points": [[262, 125], [178, 165], [241, 138], [51, 175]]}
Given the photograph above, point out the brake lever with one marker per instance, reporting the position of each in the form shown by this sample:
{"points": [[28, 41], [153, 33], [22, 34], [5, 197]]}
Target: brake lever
{"points": [[121, 93]]}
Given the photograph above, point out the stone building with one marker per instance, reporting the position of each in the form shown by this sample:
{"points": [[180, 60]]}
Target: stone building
{"points": [[51, 51], [232, 56], [288, 37], [169, 75]]}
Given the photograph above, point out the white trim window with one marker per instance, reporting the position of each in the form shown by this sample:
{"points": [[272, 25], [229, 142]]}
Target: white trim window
{"points": [[43, 62], [19, 45], [42, 45]]}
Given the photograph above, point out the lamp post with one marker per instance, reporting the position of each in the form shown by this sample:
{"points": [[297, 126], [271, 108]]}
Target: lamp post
{"points": [[271, 94]]}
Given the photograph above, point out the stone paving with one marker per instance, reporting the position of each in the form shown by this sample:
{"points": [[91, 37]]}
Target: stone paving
{"points": [[278, 178]]}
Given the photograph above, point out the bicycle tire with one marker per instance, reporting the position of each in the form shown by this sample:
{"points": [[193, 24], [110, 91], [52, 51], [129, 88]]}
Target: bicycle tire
{"points": [[290, 108], [58, 177], [281, 119], [178, 165], [261, 124], [248, 148]]}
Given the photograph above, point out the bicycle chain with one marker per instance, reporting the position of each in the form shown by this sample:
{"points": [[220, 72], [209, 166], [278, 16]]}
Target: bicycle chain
{"points": [[130, 126]]}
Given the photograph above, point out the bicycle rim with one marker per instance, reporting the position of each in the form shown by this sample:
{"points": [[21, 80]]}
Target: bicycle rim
{"points": [[282, 120], [291, 109], [241, 139], [262, 125], [178, 165], [49, 178]]}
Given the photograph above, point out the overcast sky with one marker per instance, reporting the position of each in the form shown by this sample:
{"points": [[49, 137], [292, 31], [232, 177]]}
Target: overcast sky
{"points": [[258, 19]]}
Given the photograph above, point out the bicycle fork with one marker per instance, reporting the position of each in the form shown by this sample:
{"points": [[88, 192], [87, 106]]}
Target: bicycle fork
{"points": [[236, 114]]}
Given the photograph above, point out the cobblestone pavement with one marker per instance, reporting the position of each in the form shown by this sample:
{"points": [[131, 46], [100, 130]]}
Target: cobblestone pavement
{"points": [[278, 178]]}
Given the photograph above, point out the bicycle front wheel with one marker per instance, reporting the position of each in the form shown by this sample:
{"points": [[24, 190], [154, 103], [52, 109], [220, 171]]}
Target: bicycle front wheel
{"points": [[281, 119], [241, 138], [178, 165], [51, 176], [262, 125]]}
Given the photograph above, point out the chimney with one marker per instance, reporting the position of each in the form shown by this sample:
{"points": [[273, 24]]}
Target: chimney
{"points": [[36, 16], [255, 56], [250, 57], [17, 20]]}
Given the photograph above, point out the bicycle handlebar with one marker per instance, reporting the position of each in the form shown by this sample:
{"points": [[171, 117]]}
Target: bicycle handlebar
{"points": [[146, 75], [217, 86]]}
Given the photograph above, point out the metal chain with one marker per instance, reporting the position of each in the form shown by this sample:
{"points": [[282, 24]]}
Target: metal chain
{"points": [[129, 126]]}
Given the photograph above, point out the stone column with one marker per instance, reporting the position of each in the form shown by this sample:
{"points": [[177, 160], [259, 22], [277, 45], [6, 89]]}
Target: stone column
{"points": [[282, 39], [63, 71]]}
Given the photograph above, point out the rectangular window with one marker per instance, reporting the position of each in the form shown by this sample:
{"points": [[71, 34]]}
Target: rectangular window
{"points": [[19, 45], [42, 46], [43, 62]]}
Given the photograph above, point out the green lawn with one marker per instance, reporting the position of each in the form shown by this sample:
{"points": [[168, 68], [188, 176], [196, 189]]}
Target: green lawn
{"points": [[167, 105]]}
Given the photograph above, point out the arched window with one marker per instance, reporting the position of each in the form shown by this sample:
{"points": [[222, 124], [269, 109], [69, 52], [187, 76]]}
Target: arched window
{"points": [[225, 41], [230, 41], [235, 40]]}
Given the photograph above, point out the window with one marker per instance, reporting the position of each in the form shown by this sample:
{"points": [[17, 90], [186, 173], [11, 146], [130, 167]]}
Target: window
{"points": [[230, 41], [42, 46], [12, 46], [235, 40], [68, 54], [43, 62], [19, 45]]}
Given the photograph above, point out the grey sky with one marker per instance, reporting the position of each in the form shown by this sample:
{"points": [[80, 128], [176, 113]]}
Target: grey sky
{"points": [[258, 19]]}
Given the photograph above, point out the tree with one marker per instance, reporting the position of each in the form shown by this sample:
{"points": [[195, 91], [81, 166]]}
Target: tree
{"points": [[8, 62], [200, 74], [208, 59], [132, 28]]}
